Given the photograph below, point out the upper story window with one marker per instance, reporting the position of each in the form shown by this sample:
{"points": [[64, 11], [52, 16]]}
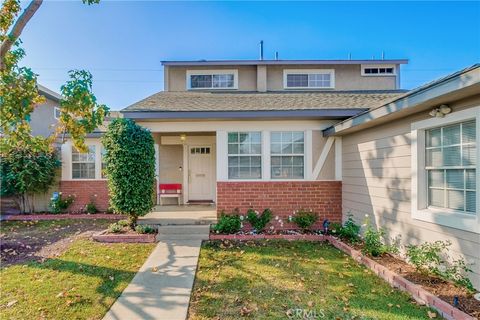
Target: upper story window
{"points": [[380, 70], [309, 79], [451, 166], [244, 155], [83, 164], [287, 155], [212, 79]]}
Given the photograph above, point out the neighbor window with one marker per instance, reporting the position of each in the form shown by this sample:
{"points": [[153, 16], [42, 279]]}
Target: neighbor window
{"points": [[301, 79], [450, 161], [211, 80], [287, 155], [83, 164], [378, 71], [56, 113], [244, 155]]}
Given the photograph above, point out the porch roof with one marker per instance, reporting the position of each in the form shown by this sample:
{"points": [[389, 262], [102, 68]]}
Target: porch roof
{"points": [[184, 103]]}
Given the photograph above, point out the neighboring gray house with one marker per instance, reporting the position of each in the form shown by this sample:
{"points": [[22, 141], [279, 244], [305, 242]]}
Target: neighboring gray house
{"points": [[45, 116]]}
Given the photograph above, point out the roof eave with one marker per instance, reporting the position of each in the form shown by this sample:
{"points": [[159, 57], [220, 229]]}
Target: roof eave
{"points": [[229, 115], [410, 101], [278, 62]]}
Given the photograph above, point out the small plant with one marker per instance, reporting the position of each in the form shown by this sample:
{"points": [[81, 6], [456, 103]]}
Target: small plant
{"points": [[335, 228], [90, 208], [259, 221], [123, 223], [350, 230], [144, 229], [58, 205], [428, 258], [228, 223], [115, 228], [304, 219]]}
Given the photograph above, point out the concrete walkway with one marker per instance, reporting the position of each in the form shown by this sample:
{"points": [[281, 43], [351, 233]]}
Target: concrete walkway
{"points": [[161, 289]]}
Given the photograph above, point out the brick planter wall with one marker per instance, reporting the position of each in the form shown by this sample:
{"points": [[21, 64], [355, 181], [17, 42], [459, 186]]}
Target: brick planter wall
{"points": [[283, 197], [84, 191]]}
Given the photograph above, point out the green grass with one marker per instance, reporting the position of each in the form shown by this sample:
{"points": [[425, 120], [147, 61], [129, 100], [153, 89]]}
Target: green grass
{"points": [[81, 283], [270, 279]]}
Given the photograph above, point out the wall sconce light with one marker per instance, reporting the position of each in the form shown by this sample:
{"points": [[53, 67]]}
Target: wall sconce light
{"points": [[183, 138], [180, 168], [441, 111]]}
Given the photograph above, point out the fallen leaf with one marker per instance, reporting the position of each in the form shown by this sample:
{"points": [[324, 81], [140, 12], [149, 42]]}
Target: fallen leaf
{"points": [[244, 311], [390, 305], [154, 269], [431, 315], [11, 303], [310, 304]]}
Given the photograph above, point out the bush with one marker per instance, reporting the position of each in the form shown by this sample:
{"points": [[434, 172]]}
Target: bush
{"points": [[428, 258], [335, 228], [91, 208], [123, 223], [350, 230], [59, 205], [228, 223], [259, 221], [304, 219], [25, 172], [144, 229], [374, 245], [130, 168], [115, 228]]}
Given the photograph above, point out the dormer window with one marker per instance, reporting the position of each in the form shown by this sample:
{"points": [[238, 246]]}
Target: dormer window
{"points": [[212, 79], [309, 79], [378, 70]]}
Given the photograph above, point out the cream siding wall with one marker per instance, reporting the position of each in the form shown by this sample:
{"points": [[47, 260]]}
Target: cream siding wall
{"points": [[376, 181], [347, 77]]}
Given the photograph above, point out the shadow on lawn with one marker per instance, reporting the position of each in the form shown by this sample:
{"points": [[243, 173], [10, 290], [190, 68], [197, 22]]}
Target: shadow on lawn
{"points": [[111, 278]]}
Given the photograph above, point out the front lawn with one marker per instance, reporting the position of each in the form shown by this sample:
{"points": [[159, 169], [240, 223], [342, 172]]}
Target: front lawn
{"points": [[81, 282], [292, 280]]}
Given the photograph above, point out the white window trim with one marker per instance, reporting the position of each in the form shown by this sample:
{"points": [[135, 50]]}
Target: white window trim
{"points": [[261, 155], [55, 109], [331, 72], [441, 216], [288, 155], [364, 66], [212, 72]]}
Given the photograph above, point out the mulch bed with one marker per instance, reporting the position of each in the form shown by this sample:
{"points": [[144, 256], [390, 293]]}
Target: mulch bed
{"points": [[38, 217], [24, 241], [126, 236]]}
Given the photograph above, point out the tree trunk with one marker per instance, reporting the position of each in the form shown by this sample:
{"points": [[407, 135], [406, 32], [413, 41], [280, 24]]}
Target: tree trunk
{"points": [[17, 29]]}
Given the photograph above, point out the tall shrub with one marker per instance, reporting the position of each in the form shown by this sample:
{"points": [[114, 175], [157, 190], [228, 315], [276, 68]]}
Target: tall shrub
{"points": [[130, 168], [26, 172]]}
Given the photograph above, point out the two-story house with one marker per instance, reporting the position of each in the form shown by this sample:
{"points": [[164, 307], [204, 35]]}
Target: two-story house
{"points": [[248, 133]]}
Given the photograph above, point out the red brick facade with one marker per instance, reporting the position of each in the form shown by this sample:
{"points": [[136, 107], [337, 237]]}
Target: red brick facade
{"points": [[323, 197], [85, 191]]}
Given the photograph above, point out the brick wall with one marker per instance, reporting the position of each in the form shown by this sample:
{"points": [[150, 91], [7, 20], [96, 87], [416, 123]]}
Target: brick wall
{"points": [[323, 197], [84, 192]]}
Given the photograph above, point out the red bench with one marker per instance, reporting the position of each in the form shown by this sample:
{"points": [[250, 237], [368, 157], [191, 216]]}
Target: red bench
{"points": [[170, 190]]}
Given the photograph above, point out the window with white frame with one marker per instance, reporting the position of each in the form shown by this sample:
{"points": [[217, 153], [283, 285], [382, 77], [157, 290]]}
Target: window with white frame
{"points": [[83, 164], [287, 155], [204, 79], [450, 162], [244, 155], [309, 79], [103, 166]]}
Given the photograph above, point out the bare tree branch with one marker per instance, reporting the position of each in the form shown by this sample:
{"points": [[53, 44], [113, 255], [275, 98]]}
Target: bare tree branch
{"points": [[17, 29]]}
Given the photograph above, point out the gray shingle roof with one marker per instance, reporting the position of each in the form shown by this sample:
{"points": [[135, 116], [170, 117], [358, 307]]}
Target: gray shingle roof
{"points": [[255, 101]]}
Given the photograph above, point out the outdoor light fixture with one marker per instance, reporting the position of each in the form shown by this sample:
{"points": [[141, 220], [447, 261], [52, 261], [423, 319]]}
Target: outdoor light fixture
{"points": [[441, 111], [183, 137]]}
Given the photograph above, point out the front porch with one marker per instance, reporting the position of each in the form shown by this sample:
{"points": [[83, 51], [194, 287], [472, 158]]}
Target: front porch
{"points": [[180, 215]]}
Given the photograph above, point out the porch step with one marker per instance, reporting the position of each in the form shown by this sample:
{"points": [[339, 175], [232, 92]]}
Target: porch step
{"points": [[191, 232]]}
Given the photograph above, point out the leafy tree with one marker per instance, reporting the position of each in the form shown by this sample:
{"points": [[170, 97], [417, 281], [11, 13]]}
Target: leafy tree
{"points": [[130, 168], [26, 172]]}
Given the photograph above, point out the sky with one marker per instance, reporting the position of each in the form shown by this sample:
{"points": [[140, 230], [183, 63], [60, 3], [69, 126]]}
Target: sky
{"points": [[122, 43]]}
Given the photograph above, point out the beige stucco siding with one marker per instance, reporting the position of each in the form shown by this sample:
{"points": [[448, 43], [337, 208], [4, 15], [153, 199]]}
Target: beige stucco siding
{"points": [[347, 77], [376, 182], [43, 120]]}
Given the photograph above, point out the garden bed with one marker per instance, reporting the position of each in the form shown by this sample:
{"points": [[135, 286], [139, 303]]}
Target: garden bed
{"points": [[432, 290], [246, 237], [62, 216], [124, 237]]}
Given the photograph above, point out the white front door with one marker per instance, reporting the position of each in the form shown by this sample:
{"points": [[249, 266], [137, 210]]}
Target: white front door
{"points": [[200, 174]]}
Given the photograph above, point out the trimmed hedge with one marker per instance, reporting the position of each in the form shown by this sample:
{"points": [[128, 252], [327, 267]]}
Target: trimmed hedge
{"points": [[130, 168]]}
